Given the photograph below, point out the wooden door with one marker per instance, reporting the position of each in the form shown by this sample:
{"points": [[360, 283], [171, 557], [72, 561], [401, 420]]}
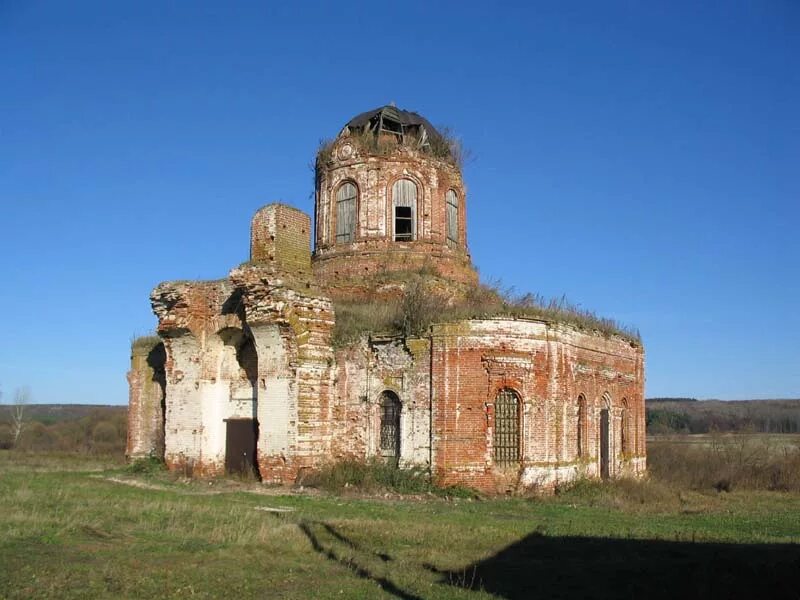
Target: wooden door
{"points": [[240, 446]]}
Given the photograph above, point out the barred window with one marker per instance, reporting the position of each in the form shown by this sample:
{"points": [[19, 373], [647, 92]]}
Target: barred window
{"points": [[390, 425], [452, 216], [346, 213], [404, 210], [506, 427]]}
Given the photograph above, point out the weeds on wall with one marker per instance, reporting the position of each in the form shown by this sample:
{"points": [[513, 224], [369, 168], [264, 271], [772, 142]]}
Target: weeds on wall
{"points": [[145, 342], [147, 467], [375, 475], [445, 146]]}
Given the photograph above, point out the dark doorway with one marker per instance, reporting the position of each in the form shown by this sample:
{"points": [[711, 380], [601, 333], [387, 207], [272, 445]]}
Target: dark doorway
{"points": [[240, 447], [604, 470], [156, 360], [390, 426]]}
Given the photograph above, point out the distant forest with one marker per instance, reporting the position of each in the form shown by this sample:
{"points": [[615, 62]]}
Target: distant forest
{"points": [[81, 428], [671, 400], [689, 415]]}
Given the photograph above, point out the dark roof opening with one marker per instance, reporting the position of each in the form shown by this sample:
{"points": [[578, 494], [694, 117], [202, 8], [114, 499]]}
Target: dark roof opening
{"points": [[406, 125]]}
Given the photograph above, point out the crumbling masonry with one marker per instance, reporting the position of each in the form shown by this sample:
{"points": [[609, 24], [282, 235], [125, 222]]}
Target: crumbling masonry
{"points": [[244, 373]]}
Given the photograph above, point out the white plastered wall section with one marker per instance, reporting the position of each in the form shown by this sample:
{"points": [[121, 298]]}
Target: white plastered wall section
{"points": [[223, 396], [204, 389], [277, 397], [183, 418], [415, 421]]}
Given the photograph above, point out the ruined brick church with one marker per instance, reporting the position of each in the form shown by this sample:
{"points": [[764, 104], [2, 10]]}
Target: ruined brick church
{"points": [[249, 373]]}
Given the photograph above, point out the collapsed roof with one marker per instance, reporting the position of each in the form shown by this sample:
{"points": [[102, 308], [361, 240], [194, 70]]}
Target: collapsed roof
{"points": [[391, 120]]}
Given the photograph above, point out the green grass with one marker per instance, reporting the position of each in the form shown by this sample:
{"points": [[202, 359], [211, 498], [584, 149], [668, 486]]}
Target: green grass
{"points": [[68, 531]]}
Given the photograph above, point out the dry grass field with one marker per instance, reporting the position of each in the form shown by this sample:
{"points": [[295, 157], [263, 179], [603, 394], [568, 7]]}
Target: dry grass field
{"points": [[88, 527]]}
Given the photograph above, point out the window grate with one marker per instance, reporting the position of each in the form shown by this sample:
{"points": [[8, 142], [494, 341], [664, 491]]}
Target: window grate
{"points": [[390, 425], [506, 428]]}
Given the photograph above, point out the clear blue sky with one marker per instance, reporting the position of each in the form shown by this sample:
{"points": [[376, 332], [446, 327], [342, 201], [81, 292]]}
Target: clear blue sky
{"points": [[642, 158]]}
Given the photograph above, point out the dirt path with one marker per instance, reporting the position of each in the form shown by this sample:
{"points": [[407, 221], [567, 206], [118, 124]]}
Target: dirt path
{"points": [[214, 487]]}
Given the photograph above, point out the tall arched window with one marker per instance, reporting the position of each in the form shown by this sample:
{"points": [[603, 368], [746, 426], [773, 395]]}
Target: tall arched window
{"points": [[404, 210], [390, 425], [506, 427], [605, 435], [582, 437], [346, 197], [451, 200]]}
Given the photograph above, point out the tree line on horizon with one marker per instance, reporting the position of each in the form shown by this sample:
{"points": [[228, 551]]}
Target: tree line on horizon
{"points": [[734, 416], [96, 430]]}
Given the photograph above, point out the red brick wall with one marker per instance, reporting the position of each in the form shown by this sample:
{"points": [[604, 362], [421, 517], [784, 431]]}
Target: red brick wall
{"points": [[146, 381], [548, 367], [374, 249]]}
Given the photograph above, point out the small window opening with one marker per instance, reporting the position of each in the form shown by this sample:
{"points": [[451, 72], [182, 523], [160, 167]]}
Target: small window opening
{"points": [[391, 126], [402, 224]]}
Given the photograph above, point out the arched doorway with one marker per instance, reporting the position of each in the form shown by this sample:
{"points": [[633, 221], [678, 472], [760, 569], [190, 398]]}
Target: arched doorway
{"points": [[238, 372], [390, 426]]}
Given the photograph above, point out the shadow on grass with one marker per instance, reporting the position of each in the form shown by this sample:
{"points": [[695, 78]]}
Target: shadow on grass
{"points": [[579, 567], [348, 562]]}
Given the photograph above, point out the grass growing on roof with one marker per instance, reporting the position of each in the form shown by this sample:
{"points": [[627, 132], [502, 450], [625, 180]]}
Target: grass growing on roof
{"points": [[444, 146], [420, 306]]}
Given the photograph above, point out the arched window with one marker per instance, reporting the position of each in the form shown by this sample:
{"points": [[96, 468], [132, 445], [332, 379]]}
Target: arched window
{"points": [[605, 434], [506, 427], [346, 197], [582, 437], [404, 210], [390, 425], [625, 437], [451, 200]]}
